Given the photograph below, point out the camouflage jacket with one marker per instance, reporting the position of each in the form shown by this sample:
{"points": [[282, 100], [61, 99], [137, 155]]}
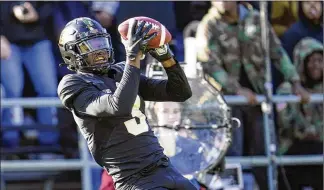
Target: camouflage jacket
{"points": [[226, 47], [300, 121]]}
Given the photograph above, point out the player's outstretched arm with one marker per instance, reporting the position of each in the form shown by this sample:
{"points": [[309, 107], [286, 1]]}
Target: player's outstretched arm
{"points": [[175, 88]]}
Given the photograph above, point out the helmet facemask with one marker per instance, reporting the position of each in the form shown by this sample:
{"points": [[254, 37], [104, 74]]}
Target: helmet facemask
{"points": [[93, 53]]}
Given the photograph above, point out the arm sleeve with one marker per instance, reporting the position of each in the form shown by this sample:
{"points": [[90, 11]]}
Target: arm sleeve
{"points": [[176, 88], [209, 53], [280, 58], [85, 98]]}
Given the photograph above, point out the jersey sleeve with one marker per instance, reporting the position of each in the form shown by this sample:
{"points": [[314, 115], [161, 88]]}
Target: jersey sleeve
{"points": [[85, 98]]}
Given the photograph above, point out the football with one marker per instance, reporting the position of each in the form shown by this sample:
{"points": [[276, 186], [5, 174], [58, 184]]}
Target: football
{"points": [[163, 35]]}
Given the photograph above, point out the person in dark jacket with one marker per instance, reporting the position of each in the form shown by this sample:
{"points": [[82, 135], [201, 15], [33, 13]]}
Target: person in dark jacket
{"points": [[107, 102], [310, 24], [23, 24]]}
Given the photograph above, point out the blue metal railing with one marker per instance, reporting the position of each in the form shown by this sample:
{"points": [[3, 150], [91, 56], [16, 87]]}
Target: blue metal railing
{"points": [[85, 164]]}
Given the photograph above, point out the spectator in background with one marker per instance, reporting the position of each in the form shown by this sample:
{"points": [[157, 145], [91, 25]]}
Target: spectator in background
{"points": [[5, 53], [230, 49], [105, 12], [10, 138], [23, 25], [301, 125], [310, 24], [281, 14]]}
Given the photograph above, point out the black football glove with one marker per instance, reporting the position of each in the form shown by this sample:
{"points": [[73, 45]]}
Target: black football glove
{"points": [[161, 53], [137, 38]]}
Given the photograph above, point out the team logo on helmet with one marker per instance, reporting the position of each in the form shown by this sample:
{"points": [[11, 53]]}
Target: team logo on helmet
{"points": [[89, 24]]}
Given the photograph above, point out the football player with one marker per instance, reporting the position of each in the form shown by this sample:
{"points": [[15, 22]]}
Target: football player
{"points": [[107, 102]]}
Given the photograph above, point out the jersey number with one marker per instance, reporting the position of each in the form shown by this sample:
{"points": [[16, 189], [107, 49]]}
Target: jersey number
{"points": [[140, 126]]}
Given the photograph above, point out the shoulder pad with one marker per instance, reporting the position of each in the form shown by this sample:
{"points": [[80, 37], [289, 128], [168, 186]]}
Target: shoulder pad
{"points": [[69, 87]]}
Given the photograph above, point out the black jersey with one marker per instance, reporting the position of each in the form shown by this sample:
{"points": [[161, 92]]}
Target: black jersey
{"points": [[109, 111]]}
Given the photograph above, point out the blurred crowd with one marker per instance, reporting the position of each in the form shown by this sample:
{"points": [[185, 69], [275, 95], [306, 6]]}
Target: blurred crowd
{"points": [[229, 44]]}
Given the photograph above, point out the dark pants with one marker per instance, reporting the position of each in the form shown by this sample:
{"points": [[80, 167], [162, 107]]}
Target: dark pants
{"points": [[161, 176], [299, 177], [249, 139]]}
